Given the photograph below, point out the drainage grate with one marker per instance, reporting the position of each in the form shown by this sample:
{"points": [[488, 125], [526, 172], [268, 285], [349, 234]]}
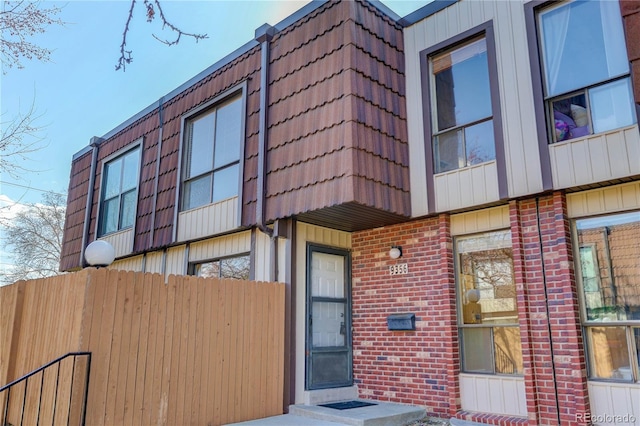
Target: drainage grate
{"points": [[347, 405]]}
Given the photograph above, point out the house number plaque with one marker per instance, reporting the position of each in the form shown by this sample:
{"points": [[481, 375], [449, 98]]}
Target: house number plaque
{"points": [[399, 269]]}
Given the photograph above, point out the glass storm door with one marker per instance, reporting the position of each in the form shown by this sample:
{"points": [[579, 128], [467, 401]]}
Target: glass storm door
{"points": [[328, 352]]}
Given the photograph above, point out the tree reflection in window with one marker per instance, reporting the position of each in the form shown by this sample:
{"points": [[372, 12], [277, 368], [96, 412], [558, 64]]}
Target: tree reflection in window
{"points": [[232, 267]]}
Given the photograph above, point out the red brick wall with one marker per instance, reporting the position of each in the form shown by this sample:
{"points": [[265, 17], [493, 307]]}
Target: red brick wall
{"points": [[421, 367]]}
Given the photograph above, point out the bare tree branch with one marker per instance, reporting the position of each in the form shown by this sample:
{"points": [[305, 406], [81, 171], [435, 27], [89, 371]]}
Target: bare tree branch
{"points": [[150, 12], [34, 237], [166, 23], [125, 55], [20, 137], [20, 20]]}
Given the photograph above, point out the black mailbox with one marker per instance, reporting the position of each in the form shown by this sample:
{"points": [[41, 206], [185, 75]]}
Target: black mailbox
{"points": [[401, 322]]}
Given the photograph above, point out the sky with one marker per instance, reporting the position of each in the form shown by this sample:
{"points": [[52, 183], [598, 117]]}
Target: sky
{"points": [[78, 94]]}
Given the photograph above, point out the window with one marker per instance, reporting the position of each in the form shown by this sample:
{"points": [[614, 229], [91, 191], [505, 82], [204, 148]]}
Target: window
{"points": [[585, 69], [488, 313], [119, 196], [237, 267], [211, 169], [609, 273], [462, 117]]}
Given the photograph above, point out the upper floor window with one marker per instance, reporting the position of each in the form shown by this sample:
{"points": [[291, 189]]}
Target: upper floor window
{"points": [[585, 69], [119, 196], [211, 170], [237, 267], [462, 116]]}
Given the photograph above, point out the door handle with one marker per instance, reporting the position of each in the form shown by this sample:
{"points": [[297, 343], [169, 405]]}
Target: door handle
{"points": [[343, 329]]}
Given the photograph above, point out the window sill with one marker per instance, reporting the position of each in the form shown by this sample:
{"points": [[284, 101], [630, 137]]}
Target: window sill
{"points": [[594, 135], [463, 169]]}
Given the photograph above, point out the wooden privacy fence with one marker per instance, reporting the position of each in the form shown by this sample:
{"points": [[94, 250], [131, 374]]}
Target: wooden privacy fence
{"points": [[191, 351]]}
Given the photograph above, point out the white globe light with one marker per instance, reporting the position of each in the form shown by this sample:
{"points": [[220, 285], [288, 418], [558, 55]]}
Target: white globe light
{"points": [[395, 252], [99, 253], [473, 295]]}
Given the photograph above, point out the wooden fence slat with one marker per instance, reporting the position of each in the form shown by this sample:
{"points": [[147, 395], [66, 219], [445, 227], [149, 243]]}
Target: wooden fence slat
{"points": [[135, 338], [114, 345], [143, 357], [48, 388], [176, 352], [78, 384], [212, 377], [235, 370], [219, 357], [248, 345], [172, 290], [63, 393], [196, 371], [159, 318]]}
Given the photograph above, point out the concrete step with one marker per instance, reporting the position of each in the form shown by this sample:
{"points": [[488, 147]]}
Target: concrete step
{"points": [[381, 414]]}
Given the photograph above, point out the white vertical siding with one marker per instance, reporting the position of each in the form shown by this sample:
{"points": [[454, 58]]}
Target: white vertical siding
{"points": [[493, 394], [596, 158], [471, 186], [121, 241], [615, 399], [480, 220], [176, 261], [522, 158], [306, 233], [154, 262], [611, 199], [208, 220], [214, 248], [262, 257], [133, 264]]}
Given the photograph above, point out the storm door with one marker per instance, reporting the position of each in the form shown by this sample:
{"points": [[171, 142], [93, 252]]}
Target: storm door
{"points": [[328, 354]]}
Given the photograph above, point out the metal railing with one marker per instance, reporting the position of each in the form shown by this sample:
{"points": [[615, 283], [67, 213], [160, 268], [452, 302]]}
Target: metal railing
{"points": [[504, 363], [54, 393]]}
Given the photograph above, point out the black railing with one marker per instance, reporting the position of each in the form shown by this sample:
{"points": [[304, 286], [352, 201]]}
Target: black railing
{"points": [[504, 363], [54, 393]]}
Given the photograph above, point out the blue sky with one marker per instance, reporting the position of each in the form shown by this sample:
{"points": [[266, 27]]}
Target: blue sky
{"points": [[78, 94]]}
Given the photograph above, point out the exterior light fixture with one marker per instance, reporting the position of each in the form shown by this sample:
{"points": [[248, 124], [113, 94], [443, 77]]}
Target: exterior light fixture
{"points": [[395, 252], [99, 253], [473, 295]]}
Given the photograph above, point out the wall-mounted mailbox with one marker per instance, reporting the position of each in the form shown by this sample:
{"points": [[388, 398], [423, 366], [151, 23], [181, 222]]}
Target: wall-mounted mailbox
{"points": [[401, 322]]}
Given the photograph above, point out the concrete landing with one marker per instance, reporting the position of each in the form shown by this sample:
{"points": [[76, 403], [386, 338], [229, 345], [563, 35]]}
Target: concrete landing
{"points": [[381, 414]]}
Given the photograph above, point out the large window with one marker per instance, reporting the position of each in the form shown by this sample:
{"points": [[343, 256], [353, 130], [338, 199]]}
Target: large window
{"points": [[211, 170], [462, 116], [119, 195], [608, 265], [585, 69], [488, 313], [237, 267]]}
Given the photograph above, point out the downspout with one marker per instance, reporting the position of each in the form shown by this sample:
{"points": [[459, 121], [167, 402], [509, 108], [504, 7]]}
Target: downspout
{"points": [[264, 34], [95, 141], [157, 176], [546, 306]]}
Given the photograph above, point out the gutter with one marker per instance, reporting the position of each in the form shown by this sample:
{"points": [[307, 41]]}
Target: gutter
{"points": [[95, 141]]}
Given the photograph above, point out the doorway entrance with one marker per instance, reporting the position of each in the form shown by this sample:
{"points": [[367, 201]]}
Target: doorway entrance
{"points": [[328, 337]]}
